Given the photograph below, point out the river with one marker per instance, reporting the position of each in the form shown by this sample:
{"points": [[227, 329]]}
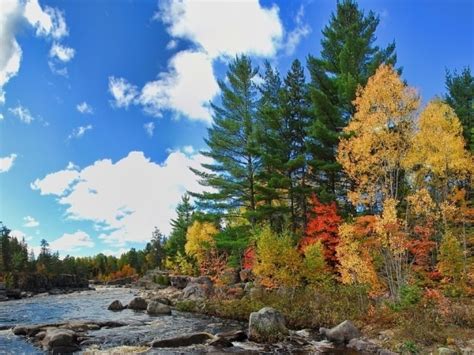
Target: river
{"points": [[92, 305]]}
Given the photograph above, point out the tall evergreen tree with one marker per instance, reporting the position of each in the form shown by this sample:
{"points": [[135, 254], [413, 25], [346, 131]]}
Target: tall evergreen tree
{"points": [[348, 58], [177, 238], [295, 109], [274, 149], [460, 97], [232, 146]]}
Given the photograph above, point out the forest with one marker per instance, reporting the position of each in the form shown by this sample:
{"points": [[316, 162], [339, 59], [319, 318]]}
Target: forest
{"points": [[335, 179]]}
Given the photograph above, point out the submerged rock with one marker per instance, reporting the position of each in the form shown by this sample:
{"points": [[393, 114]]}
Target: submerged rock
{"points": [[116, 306], [267, 325], [341, 333], [138, 304], [60, 341], [156, 308], [185, 340]]}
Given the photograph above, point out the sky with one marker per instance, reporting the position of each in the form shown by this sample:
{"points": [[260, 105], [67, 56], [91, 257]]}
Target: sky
{"points": [[105, 105]]}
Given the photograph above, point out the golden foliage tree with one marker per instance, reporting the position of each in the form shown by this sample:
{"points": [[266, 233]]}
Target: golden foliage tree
{"points": [[378, 137], [200, 240], [278, 263], [437, 154]]}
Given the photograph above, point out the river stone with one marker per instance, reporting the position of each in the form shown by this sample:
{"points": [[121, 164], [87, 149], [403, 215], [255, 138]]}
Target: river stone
{"points": [[185, 340], [446, 351], [138, 303], [221, 343], [116, 306], [60, 340], [157, 308], [341, 333], [363, 346], [179, 281], [267, 325], [233, 335]]}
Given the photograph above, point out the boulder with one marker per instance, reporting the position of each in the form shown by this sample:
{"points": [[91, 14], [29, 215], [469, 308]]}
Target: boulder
{"points": [[363, 346], [446, 351], [341, 333], [116, 306], [138, 304], [156, 308], [194, 291], [185, 340], [267, 325], [60, 341], [233, 335], [221, 343], [13, 293], [163, 300], [179, 281]]}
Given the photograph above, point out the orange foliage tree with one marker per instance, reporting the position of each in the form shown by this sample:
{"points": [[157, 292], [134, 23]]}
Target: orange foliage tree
{"points": [[323, 225]]}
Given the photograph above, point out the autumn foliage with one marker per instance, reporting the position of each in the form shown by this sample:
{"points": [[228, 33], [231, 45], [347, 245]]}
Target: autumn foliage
{"points": [[323, 225]]}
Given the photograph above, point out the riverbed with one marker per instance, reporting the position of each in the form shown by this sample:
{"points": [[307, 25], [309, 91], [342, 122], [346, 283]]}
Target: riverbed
{"points": [[92, 306]]}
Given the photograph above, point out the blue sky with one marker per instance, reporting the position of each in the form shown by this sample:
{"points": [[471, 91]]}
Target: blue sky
{"points": [[103, 105]]}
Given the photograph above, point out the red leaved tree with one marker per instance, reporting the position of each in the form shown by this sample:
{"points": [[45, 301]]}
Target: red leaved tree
{"points": [[323, 225]]}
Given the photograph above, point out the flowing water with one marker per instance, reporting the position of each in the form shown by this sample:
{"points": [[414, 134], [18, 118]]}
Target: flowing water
{"points": [[92, 305]]}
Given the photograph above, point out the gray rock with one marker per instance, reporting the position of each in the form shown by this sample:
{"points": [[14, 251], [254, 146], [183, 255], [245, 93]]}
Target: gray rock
{"points": [[341, 333], [221, 343], [60, 341], [179, 281], [197, 291], [233, 335], [185, 340], [156, 308], [446, 351], [267, 325], [138, 304], [116, 306], [363, 346]]}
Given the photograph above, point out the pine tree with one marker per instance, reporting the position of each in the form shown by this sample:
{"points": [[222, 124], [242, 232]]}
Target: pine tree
{"points": [[348, 58], [232, 146], [460, 97], [295, 109], [177, 239]]}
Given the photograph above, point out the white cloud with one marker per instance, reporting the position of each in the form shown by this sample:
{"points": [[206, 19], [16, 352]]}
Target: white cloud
{"points": [[72, 242], [10, 51], [62, 53], [6, 163], [149, 128], [85, 108], [224, 28], [218, 30], [48, 22], [56, 183], [122, 91], [30, 222], [188, 149], [298, 33], [79, 131], [22, 113], [186, 88], [126, 199]]}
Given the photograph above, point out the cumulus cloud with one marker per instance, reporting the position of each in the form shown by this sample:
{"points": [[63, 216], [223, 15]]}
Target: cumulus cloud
{"points": [[216, 31], [117, 253], [149, 128], [85, 108], [30, 222], [22, 113], [125, 199], [72, 242], [6, 163], [19, 235], [79, 131], [62, 53], [48, 22]]}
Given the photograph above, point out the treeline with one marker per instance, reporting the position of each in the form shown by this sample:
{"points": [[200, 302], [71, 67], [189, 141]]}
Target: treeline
{"points": [[15, 258], [338, 174]]}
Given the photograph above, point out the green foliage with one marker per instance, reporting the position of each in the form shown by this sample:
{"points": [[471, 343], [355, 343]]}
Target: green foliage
{"points": [[161, 279], [233, 240], [314, 264], [410, 295], [409, 347], [177, 238], [348, 58], [451, 264], [460, 97], [232, 145]]}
